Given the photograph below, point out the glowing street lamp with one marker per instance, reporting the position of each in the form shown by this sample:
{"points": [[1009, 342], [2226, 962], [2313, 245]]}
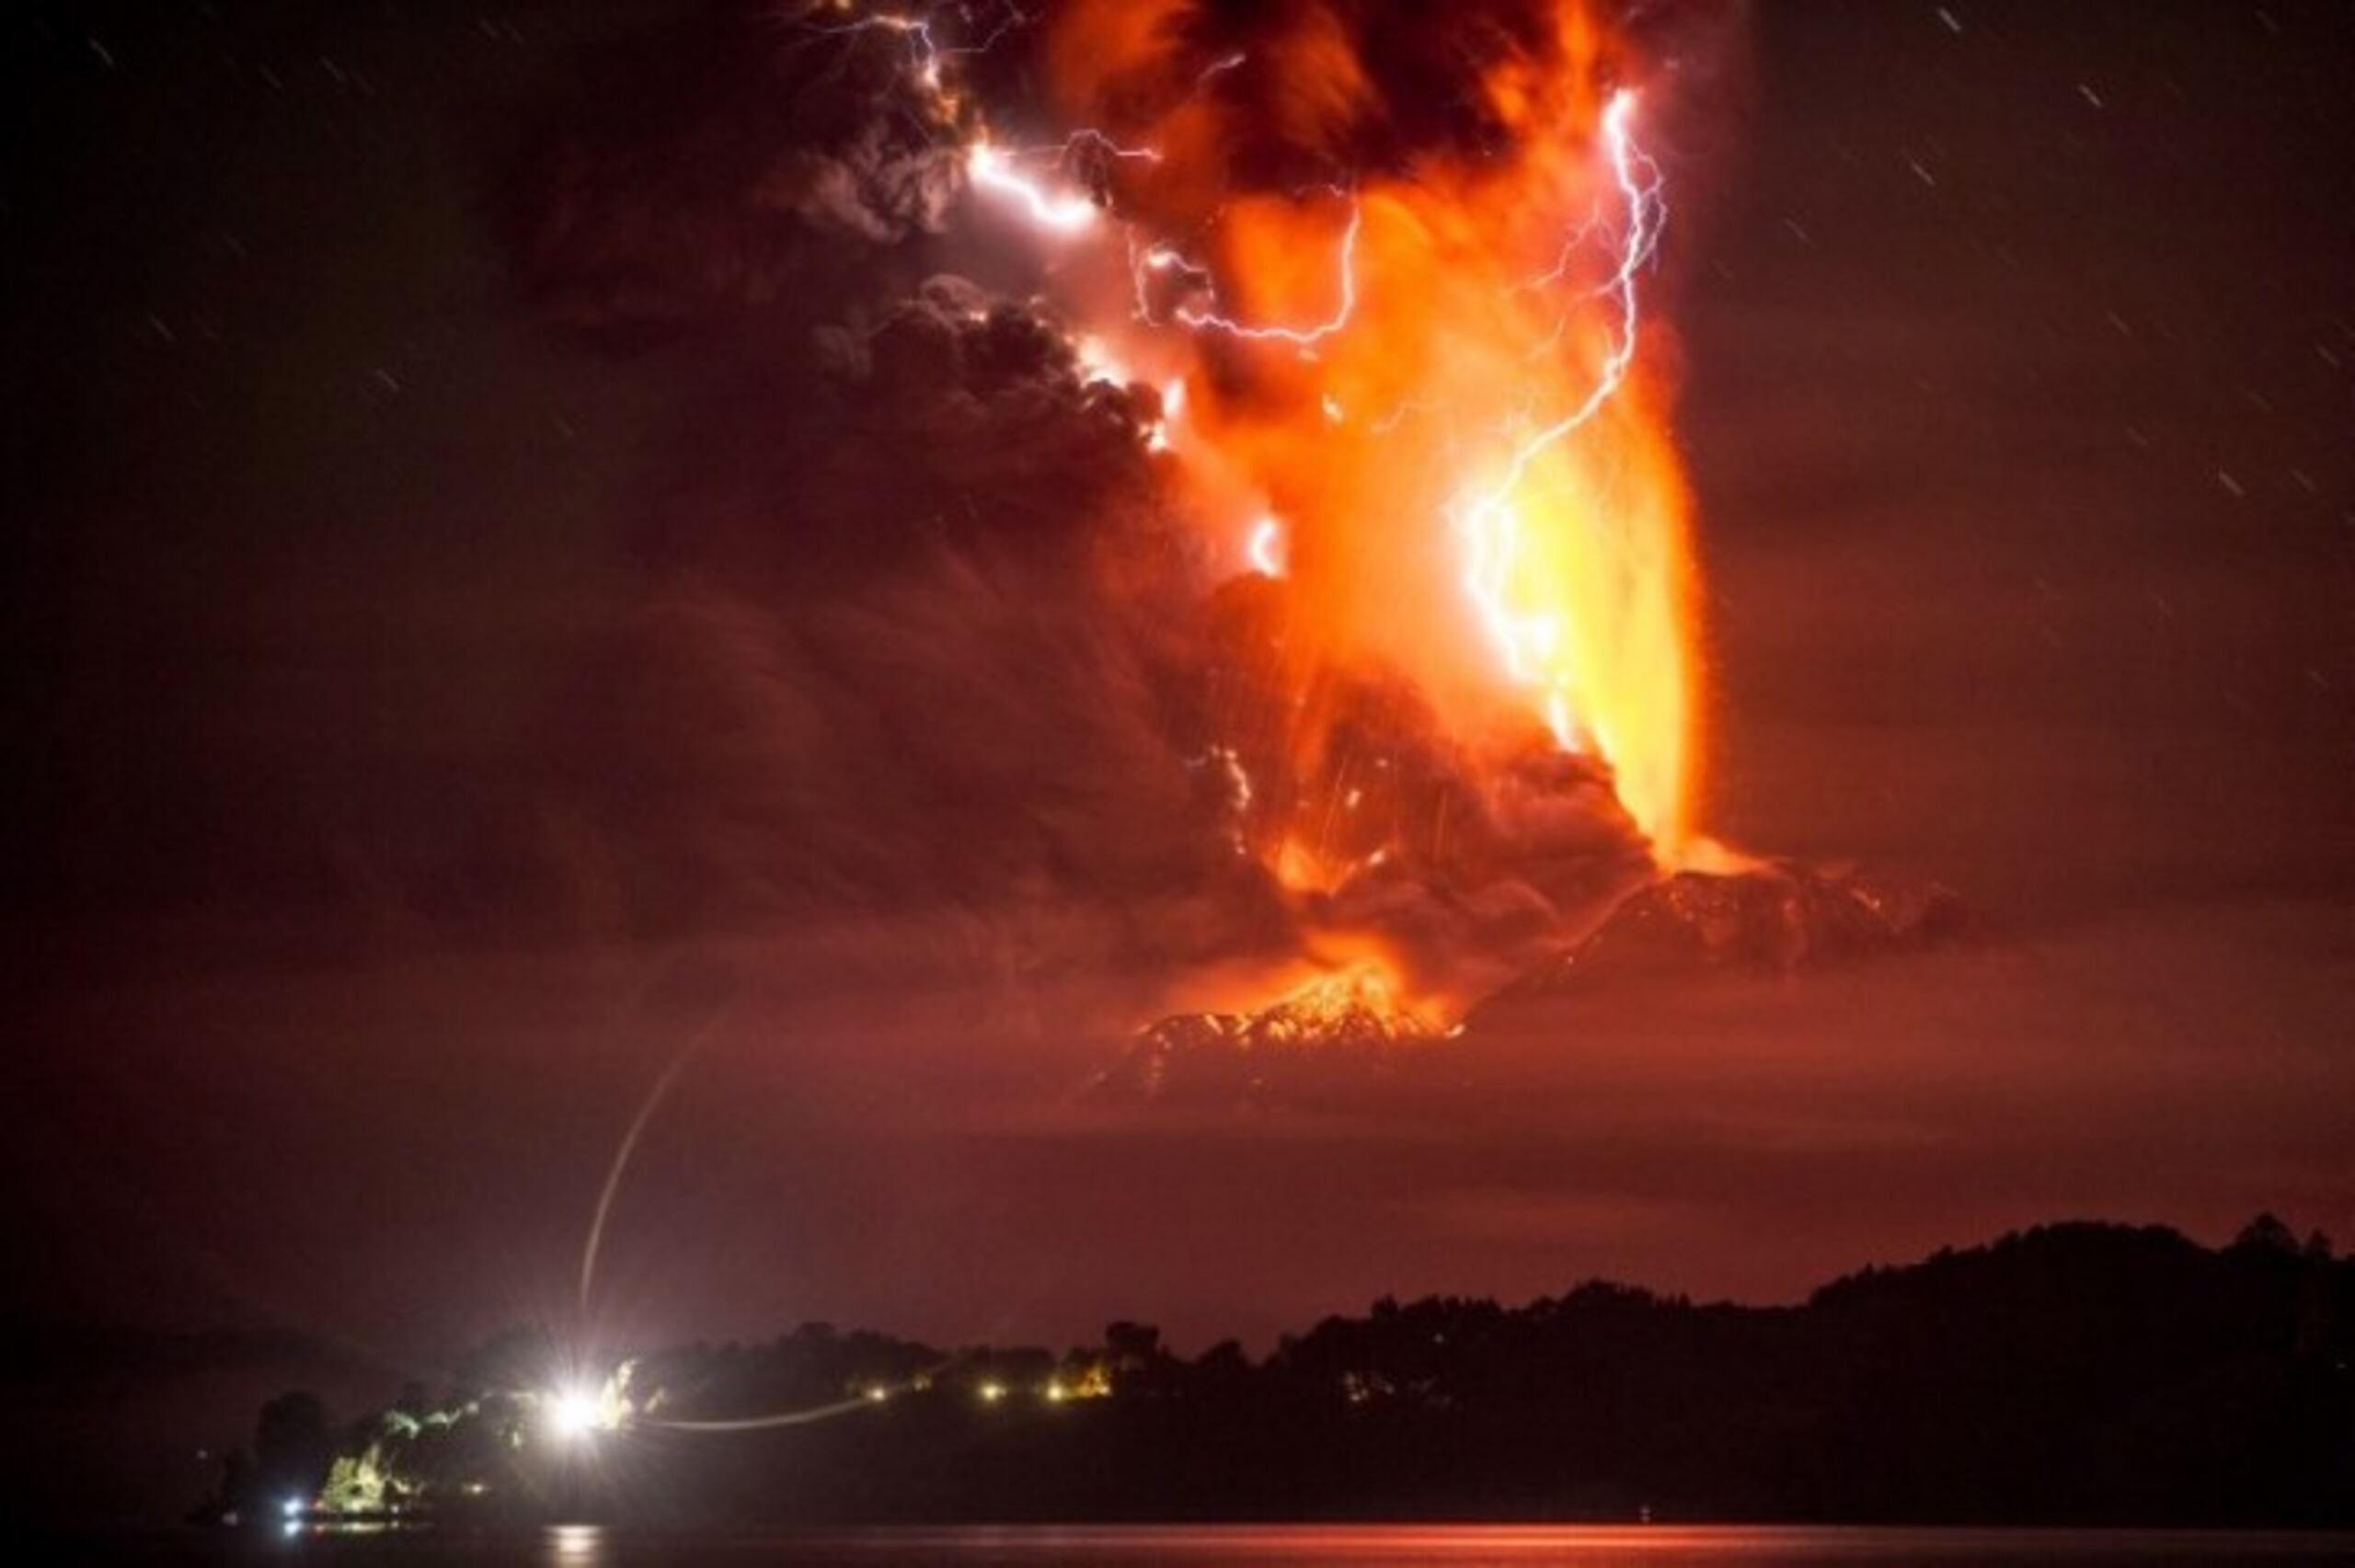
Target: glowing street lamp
{"points": [[573, 1414]]}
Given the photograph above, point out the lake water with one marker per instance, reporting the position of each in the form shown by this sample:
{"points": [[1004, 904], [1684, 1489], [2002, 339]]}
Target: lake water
{"points": [[1390, 1546]]}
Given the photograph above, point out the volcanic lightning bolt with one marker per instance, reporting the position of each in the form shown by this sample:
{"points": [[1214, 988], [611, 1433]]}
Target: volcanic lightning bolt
{"points": [[1058, 213], [1532, 643], [1299, 336]]}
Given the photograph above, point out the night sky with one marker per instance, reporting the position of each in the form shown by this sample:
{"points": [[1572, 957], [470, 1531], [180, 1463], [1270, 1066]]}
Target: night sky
{"points": [[388, 816]]}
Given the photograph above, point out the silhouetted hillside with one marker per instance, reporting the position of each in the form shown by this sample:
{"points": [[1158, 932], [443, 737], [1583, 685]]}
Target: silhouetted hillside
{"points": [[2079, 1372]]}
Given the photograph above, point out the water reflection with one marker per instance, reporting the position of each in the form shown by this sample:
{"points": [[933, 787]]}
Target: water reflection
{"points": [[1437, 1546], [576, 1545]]}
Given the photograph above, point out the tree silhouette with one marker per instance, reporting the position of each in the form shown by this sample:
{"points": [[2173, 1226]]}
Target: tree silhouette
{"points": [[2079, 1373]]}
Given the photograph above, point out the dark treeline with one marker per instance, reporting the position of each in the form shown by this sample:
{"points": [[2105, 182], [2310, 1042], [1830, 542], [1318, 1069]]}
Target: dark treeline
{"points": [[2076, 1373]]}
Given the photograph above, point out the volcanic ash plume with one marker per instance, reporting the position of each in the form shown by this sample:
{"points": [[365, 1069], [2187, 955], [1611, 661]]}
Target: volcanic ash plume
{"points": [[1387, 270]]}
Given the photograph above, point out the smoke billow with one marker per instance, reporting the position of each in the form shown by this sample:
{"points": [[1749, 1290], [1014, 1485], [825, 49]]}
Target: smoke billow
{"points": [[736, 159]]}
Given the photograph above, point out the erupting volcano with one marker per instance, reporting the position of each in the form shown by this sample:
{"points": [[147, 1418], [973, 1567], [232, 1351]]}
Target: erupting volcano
{"points": [[1376, 290], [1351, 1017]]}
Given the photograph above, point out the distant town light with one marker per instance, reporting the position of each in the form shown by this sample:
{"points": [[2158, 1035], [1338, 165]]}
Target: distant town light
{"points": [[291, 1509], [992, 1393]]}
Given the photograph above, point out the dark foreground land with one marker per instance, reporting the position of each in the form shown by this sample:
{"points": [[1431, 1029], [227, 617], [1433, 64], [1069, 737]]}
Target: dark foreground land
{"points": [[2074, 1373]]}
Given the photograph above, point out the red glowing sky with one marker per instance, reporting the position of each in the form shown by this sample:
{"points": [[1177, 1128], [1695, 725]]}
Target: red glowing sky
{"points": [[2015, 364]]}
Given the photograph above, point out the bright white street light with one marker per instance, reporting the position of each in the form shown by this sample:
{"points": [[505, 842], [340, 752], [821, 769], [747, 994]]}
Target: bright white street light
{"points": [[574, 1413]]}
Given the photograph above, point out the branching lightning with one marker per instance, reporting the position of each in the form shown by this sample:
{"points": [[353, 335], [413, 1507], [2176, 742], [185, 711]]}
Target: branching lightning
{"points": [[997, 169], [927, 51], [1489, 523], [1160, 258]]}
